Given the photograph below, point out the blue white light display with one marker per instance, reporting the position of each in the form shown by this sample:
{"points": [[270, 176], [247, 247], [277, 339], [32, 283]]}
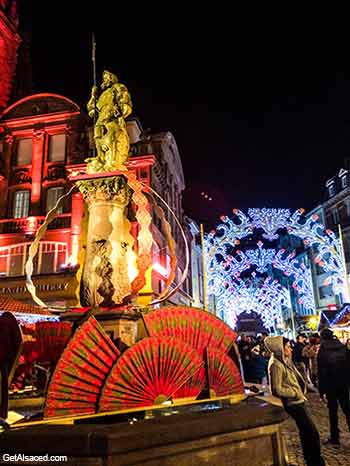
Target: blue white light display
{"points": [[226, 264], [270, 220], [266, 296], [27, 318], [261, 257]]}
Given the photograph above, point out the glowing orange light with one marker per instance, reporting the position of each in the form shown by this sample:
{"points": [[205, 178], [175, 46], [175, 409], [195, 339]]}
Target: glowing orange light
{"points": [[31, 226]]}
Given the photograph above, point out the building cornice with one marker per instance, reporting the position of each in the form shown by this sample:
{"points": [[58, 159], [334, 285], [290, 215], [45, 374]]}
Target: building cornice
{"points": [[42, 119], [337, 198]]}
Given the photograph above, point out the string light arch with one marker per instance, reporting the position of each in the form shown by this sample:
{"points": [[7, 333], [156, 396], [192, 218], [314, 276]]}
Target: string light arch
{"points": [[227, 265]]}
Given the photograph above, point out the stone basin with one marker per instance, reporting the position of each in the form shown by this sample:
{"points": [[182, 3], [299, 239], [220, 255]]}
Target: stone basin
{"points": [[208, 433]]}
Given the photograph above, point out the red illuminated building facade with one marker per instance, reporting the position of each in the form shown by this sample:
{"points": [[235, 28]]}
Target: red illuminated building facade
{"points": [[9, 42], [41, 137]]}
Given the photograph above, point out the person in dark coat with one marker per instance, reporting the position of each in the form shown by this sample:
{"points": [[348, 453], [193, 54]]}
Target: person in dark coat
{"points": [[10, 348], [244, 347], [333, 380], [256, 367], [299, 360]]}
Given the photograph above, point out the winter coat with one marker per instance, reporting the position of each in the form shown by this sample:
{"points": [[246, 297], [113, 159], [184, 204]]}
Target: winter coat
{"points": [[333, 366], [285, 380], [255, 368], [298, 353], [310, 352]]}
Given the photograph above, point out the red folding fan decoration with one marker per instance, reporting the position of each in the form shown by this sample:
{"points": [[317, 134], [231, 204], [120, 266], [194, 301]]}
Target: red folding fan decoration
{"points": [[192, 388], [223, 375], [51, 339], [149, 373], [81, 372], [198, 328]]}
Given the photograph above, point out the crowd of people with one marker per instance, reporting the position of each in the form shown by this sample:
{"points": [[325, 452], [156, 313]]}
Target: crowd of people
{"points": [[255, 356], [319, 362]]}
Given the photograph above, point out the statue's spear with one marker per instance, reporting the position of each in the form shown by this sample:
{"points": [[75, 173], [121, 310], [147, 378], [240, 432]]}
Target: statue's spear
{"points": [[94, 78]]}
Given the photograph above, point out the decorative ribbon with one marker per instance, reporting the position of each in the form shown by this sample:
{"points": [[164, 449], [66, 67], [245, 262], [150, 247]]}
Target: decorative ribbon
{"points": [[33, 249]]}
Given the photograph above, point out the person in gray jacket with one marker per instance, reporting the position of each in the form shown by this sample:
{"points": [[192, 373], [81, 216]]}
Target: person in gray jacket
{"points": [[287, 383]]}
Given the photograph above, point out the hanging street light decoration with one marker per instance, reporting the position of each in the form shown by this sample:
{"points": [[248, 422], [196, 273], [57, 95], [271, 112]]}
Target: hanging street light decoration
{"points": [[226, 264]]}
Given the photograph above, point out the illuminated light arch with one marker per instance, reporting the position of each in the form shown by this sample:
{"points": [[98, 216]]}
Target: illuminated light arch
{"points": [[225, 267], [263, 295]]}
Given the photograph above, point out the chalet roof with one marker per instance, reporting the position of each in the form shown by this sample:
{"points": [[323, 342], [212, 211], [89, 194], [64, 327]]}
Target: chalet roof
{"points": [[12, 305], [339, 318]]}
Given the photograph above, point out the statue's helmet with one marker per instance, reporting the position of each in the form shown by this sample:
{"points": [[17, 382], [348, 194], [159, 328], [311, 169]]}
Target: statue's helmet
{"points": [[112, 78]]}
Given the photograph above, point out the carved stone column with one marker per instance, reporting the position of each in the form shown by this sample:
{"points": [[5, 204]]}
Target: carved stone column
{"points": [[75, 229], [37, 166], [105, 278]]}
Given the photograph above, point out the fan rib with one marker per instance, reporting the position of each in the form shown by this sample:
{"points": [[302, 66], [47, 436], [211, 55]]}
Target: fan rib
{"points": [[80, 373], [154, 367]]}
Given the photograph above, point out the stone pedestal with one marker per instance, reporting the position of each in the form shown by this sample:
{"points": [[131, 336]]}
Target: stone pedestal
{"points": [[120, 323], [245, 434], [105, 278]]}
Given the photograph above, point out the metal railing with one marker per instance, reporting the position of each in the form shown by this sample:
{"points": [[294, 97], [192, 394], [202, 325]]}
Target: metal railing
{"points": [[29, 225]]}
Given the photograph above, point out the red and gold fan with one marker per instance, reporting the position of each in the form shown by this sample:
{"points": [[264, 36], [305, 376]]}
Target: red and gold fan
{"points": [[192, 388], [51, 339], [198, 328], [223, 375], [81, 372], [149, 373]]}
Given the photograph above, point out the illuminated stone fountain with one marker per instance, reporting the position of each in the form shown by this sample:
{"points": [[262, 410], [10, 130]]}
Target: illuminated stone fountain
{"points": [[211, 431]]}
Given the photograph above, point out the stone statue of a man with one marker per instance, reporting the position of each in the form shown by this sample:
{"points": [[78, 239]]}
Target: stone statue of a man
{"points": [[109, 110]]}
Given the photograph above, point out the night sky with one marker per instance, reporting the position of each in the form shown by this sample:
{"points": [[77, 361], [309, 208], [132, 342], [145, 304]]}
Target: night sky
{"points": [[261, 114]]}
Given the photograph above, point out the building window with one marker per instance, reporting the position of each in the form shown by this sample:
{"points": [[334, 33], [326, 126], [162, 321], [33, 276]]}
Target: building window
{"points": [[21, 204], [335, 215], [52, 196], [325, 291], [143, 174], [57, 148], [344, 181], [24, 152]]}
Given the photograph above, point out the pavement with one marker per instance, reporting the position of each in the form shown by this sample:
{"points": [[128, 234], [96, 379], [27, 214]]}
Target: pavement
{"points": [[319, 412]]}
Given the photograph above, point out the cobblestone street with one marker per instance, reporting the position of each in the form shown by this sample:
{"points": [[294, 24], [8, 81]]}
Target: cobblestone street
{"points": [[333, 456]]}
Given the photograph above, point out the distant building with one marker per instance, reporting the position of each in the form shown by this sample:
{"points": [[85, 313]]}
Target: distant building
{"points": [[166, 178], [196, 265], [333, 211]]}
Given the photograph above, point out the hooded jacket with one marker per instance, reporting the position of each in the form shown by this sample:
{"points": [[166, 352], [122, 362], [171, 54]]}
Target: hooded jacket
{"points": [[333, 366], [286, 382]]}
